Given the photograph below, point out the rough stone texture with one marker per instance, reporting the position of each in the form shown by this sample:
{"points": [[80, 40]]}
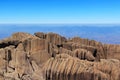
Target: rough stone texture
{"points": [[40, 35], [65, 67], [35, 44], [113, 51], [55, 38], [82, 54], [49, 56], [21, 36], [36, 49], [51, 37], [104, 51]]}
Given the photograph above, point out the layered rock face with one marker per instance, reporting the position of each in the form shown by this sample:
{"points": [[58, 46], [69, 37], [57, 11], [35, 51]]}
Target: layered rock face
{"points": [[49, 56], [65, 67], [104, 51]]}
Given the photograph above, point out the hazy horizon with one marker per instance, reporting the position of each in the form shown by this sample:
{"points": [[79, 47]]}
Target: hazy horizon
{"points": [[92, 19], [104, 34]]}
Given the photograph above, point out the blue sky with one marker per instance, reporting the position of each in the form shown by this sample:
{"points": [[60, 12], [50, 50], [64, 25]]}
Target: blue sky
{"points": [[60, 11]]}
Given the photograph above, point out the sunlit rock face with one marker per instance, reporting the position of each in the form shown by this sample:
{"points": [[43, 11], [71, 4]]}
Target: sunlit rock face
{"points": [[50, 56], [65, 67]]}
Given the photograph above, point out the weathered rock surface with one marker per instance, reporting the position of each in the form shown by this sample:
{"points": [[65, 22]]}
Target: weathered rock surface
{"points": [[5, 43], [51, 37], [104, 51], [49, 56], [65, 67]]}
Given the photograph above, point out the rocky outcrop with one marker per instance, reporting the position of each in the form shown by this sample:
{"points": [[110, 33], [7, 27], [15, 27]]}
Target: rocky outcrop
{"points": [[49, 56], [104, 51], [16, 62], [81, 54], [113, 51], [52, 38], [40, 35], [65, 67], [21, 36]]}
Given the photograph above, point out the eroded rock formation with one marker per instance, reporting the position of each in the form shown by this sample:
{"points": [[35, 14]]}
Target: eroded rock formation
{"points": [[49, 56], [65, 67]]}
